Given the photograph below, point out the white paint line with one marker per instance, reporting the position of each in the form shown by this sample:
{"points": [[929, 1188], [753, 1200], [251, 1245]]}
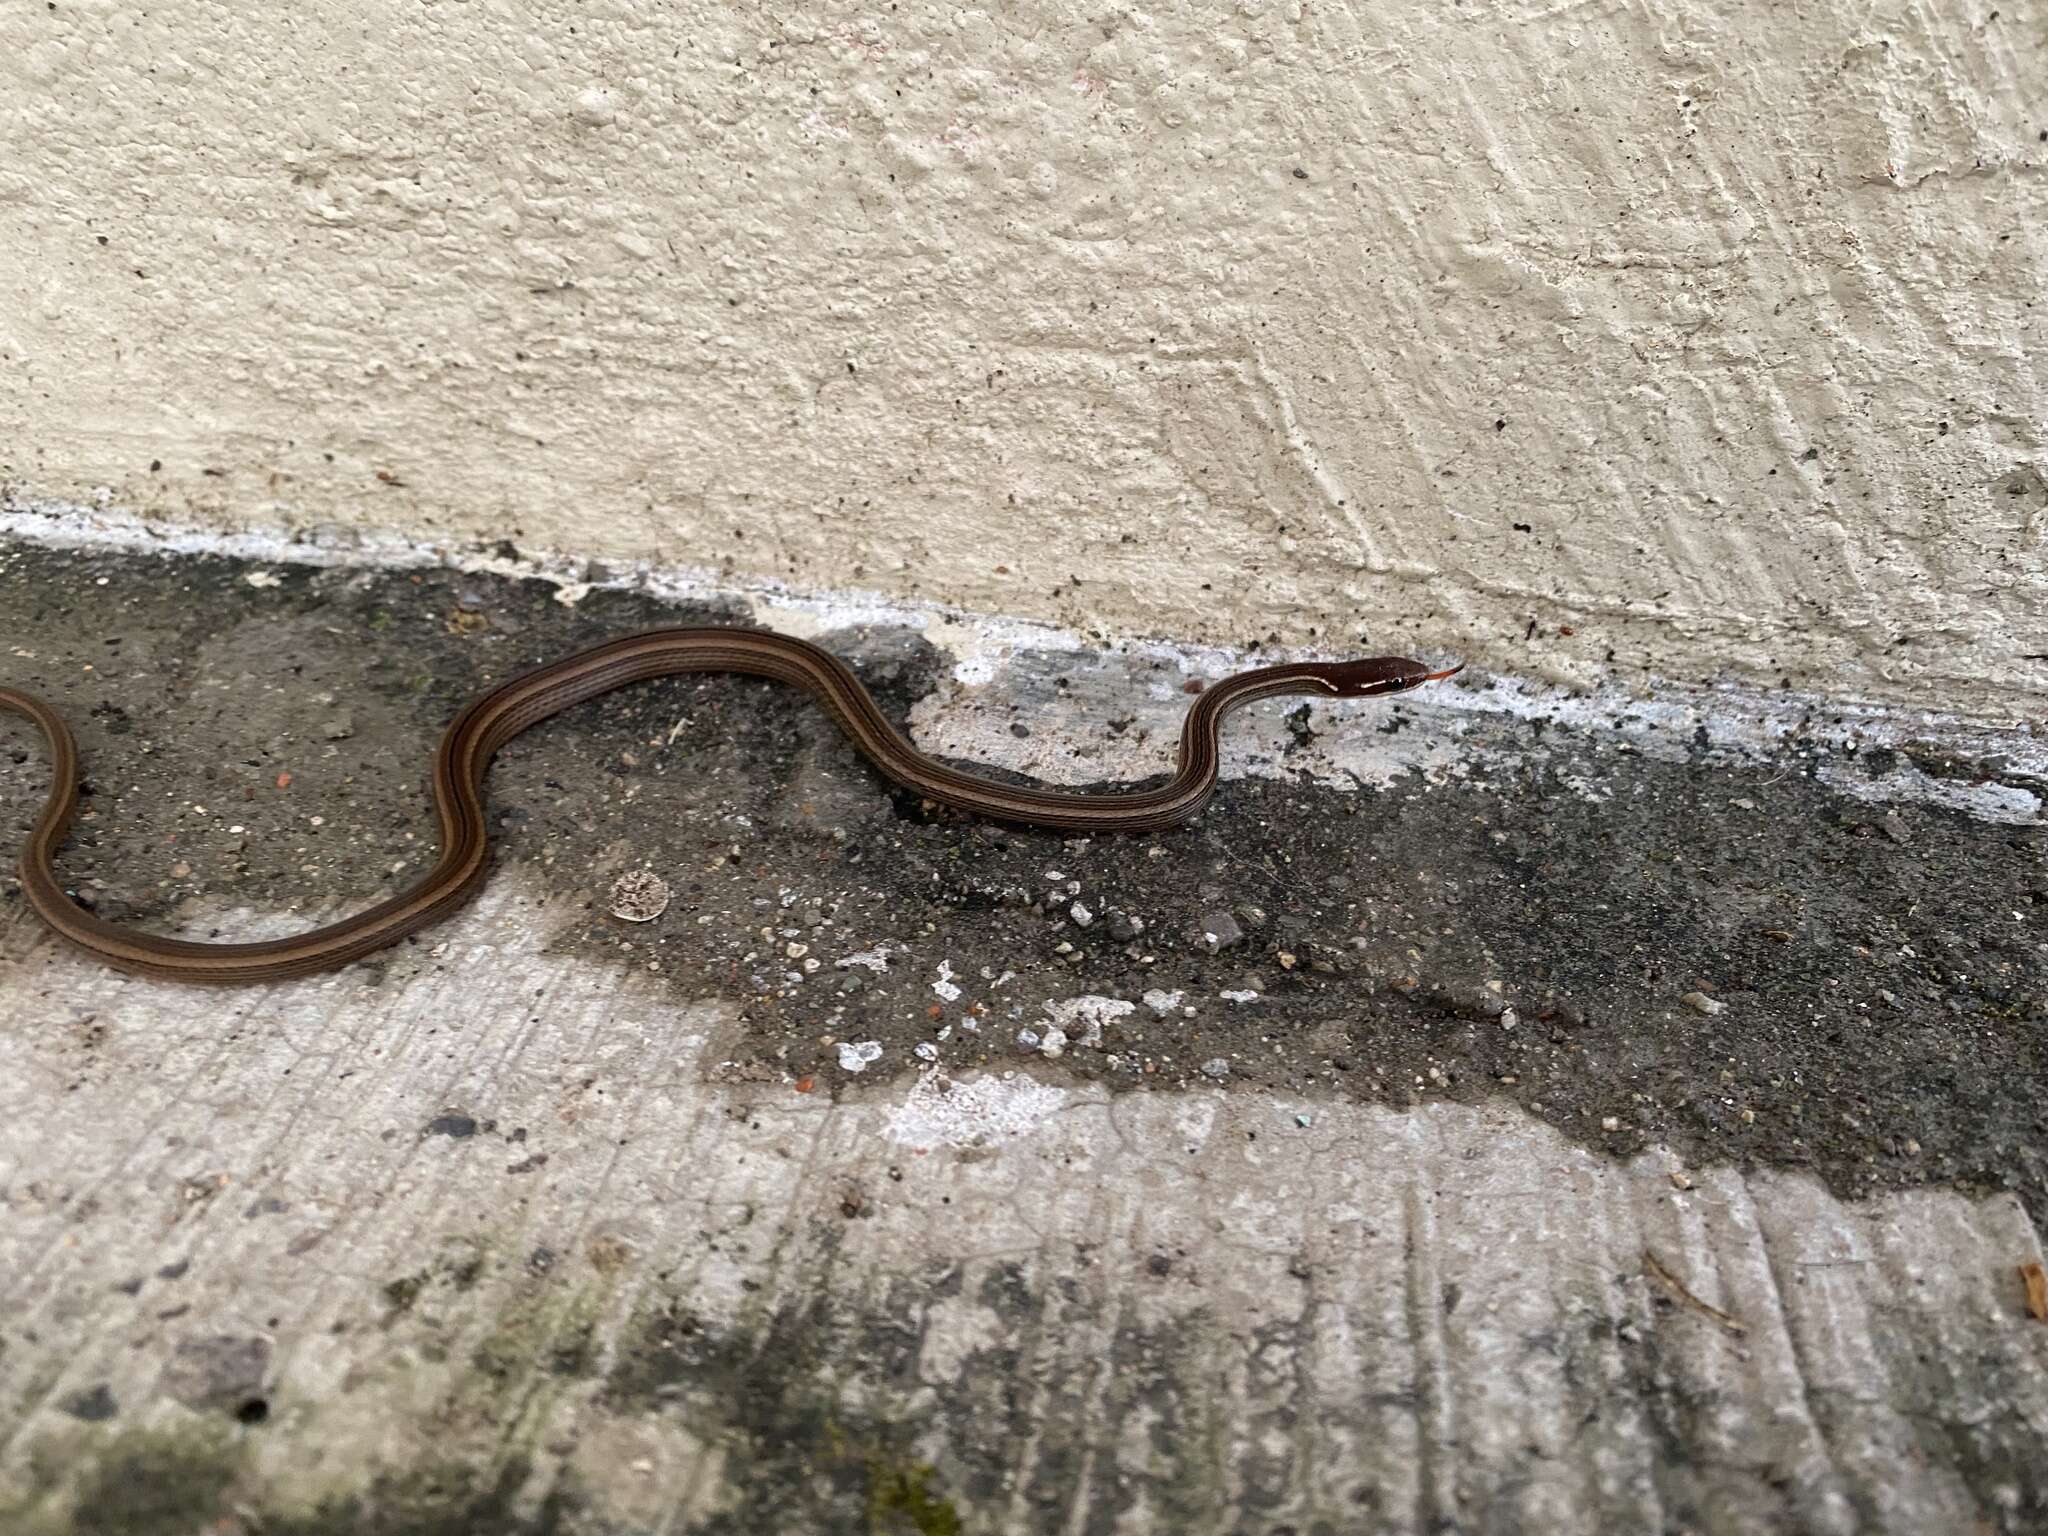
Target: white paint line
{"points": [[1352, 747]]}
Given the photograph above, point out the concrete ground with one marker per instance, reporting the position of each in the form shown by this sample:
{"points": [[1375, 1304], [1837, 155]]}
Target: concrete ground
{"points": [[1495, 1114]]}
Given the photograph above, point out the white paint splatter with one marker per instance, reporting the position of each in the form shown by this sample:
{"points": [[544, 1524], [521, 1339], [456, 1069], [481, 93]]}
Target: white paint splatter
{"points": [[943, 1112]]}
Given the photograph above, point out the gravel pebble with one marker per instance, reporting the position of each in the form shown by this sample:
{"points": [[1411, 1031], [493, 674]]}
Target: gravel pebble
{"points": [[1467, 1000], [1218, 931], [639, 896]]}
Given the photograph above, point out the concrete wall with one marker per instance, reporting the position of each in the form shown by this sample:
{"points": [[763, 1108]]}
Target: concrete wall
{"points": [[1694, 339]]}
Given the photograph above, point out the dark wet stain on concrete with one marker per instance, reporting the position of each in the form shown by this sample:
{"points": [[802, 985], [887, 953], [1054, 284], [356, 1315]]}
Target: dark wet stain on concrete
{"points": [[1725, 956]]}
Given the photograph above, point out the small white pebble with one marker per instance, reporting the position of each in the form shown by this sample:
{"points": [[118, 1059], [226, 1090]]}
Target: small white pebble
{"points": [[1699, 1002], [855, 1055]]}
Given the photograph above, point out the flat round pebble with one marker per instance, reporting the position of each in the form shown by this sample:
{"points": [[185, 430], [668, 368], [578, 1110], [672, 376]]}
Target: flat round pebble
{"points": [[639, 896]]}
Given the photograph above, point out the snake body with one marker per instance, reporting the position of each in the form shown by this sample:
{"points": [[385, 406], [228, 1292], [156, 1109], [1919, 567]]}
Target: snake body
{"points": [[475, 736]]}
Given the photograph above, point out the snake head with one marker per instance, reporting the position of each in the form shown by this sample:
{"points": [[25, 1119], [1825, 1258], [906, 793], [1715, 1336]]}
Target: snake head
{"points": [[1380, 674]]}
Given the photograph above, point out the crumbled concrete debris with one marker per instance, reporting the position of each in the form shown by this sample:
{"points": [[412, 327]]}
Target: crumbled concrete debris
{"points": [[858, 1056], [1699, 1002], [945, 986], [1239, 995], [1162, 1002], [1081, 915], [1216, 1067], [639, 896], [1083, 1018]]}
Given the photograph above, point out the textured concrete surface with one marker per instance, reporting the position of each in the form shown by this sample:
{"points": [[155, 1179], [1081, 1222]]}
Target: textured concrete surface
{"points": [[1676, 338], [1429, 1203]]}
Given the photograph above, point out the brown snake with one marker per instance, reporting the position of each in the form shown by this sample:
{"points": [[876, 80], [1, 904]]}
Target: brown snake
{"points": [[466, 749]]}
